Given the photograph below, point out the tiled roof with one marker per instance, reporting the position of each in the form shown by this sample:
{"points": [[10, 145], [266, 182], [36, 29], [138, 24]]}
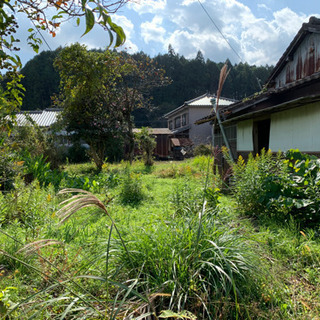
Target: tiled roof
{"points": [[205, 100], [202, 101], [44, 118], [156, 131]]}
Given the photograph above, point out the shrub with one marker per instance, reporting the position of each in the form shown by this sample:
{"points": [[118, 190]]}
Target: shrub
{"points": [[10, 167], [77, 153], [131, 191], [146, 143], [281, 187], [248, 181], [203, 150]]}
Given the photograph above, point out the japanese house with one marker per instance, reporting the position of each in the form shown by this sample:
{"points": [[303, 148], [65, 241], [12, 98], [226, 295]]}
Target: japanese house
{"points": [[286, 114], [182, 121]]}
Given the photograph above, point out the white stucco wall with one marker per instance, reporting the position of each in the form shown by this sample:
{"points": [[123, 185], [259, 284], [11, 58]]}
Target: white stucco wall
{"points": [[244, 136], [199, 133], [297, 128]]}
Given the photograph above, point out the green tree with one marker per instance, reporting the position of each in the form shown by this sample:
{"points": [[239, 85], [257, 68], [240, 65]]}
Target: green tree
{"points": [[41, 81], [147, 144], [140, 75], [89, 97]]}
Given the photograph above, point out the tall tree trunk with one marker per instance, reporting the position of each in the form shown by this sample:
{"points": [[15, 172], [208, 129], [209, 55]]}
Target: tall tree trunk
{"points": [[130, 140]]}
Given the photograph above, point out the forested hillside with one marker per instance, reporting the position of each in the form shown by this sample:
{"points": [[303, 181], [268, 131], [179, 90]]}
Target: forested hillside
{"points": [[190, 78]]}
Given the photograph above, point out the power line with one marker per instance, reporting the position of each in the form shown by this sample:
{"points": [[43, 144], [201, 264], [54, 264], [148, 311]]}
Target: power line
{"points": [[41, 36], [258, 80], [204, 9]]}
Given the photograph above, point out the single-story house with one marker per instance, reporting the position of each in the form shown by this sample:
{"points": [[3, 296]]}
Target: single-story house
{"points": [[43, 118], [181, 121], [286, 114], [46, 118]]}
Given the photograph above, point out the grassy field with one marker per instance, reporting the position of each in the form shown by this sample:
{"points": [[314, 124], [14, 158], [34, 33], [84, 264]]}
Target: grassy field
{"points": [[151, 243]]}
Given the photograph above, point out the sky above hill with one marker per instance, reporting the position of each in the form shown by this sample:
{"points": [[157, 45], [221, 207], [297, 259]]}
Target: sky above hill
{"points": [[256, 32]]}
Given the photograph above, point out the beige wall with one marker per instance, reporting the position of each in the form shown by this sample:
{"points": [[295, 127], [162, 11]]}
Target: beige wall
{"points": [[297, 128], [244, 136], [199, 134]]}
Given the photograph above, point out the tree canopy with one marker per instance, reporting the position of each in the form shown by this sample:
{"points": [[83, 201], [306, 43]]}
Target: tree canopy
{"points": [[99, 91], [89, 97], [190, 78]]}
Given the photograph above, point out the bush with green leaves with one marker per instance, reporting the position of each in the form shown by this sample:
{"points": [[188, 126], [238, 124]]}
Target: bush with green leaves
{"points": [[131, 189], [146, 143], [203, 150], [299, 189], [249, 181], [10, 167], [281, 186]]}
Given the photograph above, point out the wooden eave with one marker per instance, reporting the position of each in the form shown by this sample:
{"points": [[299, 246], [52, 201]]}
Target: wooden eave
{"points": [[297, 94]]}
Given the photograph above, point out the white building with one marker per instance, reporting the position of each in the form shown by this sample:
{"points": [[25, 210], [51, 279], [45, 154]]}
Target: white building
{"points": [[182, 119]]}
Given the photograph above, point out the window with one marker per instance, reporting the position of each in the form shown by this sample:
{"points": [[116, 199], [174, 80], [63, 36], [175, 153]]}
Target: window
{"points": [[184, 119], [231, 133], [177, 122], [170, 124]]}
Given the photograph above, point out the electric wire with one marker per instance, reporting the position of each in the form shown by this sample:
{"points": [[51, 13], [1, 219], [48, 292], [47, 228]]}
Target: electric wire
{"points": [[42, 36], [224, 37], [205, 10]]}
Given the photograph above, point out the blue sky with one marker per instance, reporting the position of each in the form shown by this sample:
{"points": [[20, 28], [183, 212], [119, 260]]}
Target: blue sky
{"points": [[259, 31]]}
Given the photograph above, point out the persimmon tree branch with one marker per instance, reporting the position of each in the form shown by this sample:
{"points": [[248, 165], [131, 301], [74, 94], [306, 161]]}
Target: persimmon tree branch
{"points": [[47, 16]]}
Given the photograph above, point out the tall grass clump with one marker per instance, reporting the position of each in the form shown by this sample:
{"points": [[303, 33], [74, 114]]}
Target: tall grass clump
{"points": [[74, 289], [185, 199], [193, 264]]}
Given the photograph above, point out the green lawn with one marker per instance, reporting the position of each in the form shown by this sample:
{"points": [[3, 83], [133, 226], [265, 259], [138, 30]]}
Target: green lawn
{"points": [[161, 247]]}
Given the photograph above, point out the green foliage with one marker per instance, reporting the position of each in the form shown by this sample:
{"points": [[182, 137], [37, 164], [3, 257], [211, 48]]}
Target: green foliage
{"points": [[280, 187], [202, 150], [146, 143], [248, 181], [89, 98], [10, 167], [131, 190], [40, 80], [5, 301], [186, 200], [213, 196], [76, 153], [203, 275]]}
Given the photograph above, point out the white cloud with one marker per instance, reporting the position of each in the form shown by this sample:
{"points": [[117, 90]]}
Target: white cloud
{"points": [[148, 6], [256, 40], [153, 30], [128, 28], [289, 26], [188, 2], [264, 41], [263, 6]]}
